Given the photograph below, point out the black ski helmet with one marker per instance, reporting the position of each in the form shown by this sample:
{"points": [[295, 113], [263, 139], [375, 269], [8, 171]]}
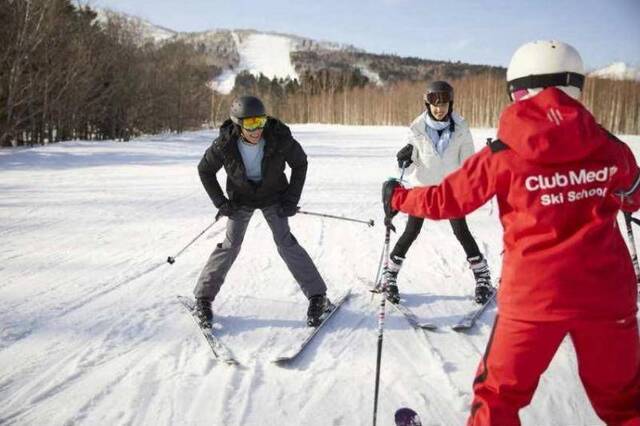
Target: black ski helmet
{"points": [[438, 91], [246, 106]]}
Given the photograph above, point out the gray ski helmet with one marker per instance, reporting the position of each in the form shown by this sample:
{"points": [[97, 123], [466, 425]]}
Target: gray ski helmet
{"points": [[438, 92], [246, 106]]}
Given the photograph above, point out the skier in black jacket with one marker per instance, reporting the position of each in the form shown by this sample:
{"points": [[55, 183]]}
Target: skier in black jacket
{"points": [[253, 148]]}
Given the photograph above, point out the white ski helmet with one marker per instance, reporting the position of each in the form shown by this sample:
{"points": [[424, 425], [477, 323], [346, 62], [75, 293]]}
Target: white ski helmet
{"points": [[540, 64]]}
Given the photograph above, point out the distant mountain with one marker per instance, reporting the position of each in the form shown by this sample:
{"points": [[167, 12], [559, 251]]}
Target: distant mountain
{"points": [[267, 53], [148, 30], [285, 56], [617, 71]]}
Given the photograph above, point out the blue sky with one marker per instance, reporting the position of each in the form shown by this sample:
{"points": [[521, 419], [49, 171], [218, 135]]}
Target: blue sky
{"points": [[481, 32]]}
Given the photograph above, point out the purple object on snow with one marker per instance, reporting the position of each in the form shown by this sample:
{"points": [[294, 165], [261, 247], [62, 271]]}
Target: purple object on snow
{"points": [[407, 417]]}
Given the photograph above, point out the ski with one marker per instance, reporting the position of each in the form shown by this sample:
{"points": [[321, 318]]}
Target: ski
{"points": [[293, 353], [412, 319], [220, 351], [469, 320], [409, 315], [407, 417]]}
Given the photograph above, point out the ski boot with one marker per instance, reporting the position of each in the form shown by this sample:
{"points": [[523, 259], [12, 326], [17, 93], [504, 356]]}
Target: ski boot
{"points": [[484, 289], [318, 306], [390, 277], [202, 311]]}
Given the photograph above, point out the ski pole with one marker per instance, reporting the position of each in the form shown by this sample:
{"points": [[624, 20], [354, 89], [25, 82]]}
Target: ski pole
{"points": [[628, 219], [404, 166], [368, 222], [171, 259], [387, 239], [376, 281], [380, 284]]}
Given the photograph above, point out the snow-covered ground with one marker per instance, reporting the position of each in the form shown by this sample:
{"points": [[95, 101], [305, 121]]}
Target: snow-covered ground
{"points": [[92, 333]]}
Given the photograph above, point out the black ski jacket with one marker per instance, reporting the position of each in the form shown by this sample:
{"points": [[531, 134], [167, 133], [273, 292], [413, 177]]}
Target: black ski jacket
{"points": [[280, 148]]}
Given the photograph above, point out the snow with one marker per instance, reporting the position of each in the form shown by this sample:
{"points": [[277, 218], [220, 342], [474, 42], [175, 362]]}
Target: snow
{"points": [[260, 53], [373, 76], [92, 332], [148, 30], [268, 54], [617, 71], [224, 82]]}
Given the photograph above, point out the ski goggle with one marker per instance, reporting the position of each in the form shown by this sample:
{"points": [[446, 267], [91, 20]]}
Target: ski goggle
{"points": [[436, 98], [253, 123]]}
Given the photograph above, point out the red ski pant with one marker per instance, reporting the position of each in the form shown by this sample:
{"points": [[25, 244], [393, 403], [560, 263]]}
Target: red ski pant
{"points": [[518, 352]]}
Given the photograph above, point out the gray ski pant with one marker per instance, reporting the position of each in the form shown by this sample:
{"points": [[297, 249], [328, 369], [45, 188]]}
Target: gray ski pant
{"points": [[294, 256]]}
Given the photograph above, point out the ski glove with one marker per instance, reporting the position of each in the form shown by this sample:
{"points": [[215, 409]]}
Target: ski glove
{"points": [[404, 156], [227, 208], [387, 193], [287, 209]]}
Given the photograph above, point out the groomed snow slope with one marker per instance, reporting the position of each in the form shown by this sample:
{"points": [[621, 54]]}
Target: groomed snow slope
{"points": [[268, 54], [92, 333]]}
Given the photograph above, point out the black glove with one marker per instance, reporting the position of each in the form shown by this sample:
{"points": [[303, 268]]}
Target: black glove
{"points": [[404, 156], [227, 208], [287, 209], [387, 193]]}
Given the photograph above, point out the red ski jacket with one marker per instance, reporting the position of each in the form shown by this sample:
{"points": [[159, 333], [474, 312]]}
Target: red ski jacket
{"points": [[560, 180]]}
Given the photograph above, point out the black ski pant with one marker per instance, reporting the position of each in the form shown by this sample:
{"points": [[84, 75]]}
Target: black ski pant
{"points": [[414, 224]]}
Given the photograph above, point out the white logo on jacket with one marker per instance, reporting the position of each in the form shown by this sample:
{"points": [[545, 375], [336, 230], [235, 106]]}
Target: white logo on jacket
{"points": [[580, 177], [571, 178]]}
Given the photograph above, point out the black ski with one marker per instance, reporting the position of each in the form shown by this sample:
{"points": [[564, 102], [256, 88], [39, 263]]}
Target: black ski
{"points": [[220, 351], [293, 353], [469, 320], [407, 417]]}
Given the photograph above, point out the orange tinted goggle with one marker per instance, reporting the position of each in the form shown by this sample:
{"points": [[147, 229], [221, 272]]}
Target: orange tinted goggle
{"points": [[253, 123]]}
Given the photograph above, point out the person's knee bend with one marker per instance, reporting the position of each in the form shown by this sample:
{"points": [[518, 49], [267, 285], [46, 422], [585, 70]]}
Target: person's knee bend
{"points": [[230, 244], [287, 240]]}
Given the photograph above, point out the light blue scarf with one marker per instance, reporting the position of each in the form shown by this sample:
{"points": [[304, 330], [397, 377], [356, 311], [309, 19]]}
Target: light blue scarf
{"points": [[440, 142]]}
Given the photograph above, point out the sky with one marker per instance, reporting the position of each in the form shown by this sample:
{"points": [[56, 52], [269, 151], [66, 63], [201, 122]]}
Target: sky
{"points": [[479, 32]]}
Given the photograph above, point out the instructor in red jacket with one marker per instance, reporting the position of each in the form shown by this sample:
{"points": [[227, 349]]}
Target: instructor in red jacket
{"points": [[560, 180]]}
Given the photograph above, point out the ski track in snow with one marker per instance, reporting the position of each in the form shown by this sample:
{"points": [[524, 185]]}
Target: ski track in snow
{"points": [[92, 332]]}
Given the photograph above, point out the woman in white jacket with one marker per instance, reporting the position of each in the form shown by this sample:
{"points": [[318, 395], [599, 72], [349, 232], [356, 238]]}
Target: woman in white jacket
{"points": [[439, 141]]}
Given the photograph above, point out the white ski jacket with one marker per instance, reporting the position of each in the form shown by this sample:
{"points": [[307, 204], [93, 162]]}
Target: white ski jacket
{"points": [[428, 168]]}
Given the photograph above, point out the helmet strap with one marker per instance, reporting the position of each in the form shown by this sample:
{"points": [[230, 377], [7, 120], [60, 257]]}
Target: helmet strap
{"points": [[546, 80]]}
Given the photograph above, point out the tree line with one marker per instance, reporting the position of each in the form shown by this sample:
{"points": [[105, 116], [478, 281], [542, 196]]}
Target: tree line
{"points": [[348, 98], [64, 75]]}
